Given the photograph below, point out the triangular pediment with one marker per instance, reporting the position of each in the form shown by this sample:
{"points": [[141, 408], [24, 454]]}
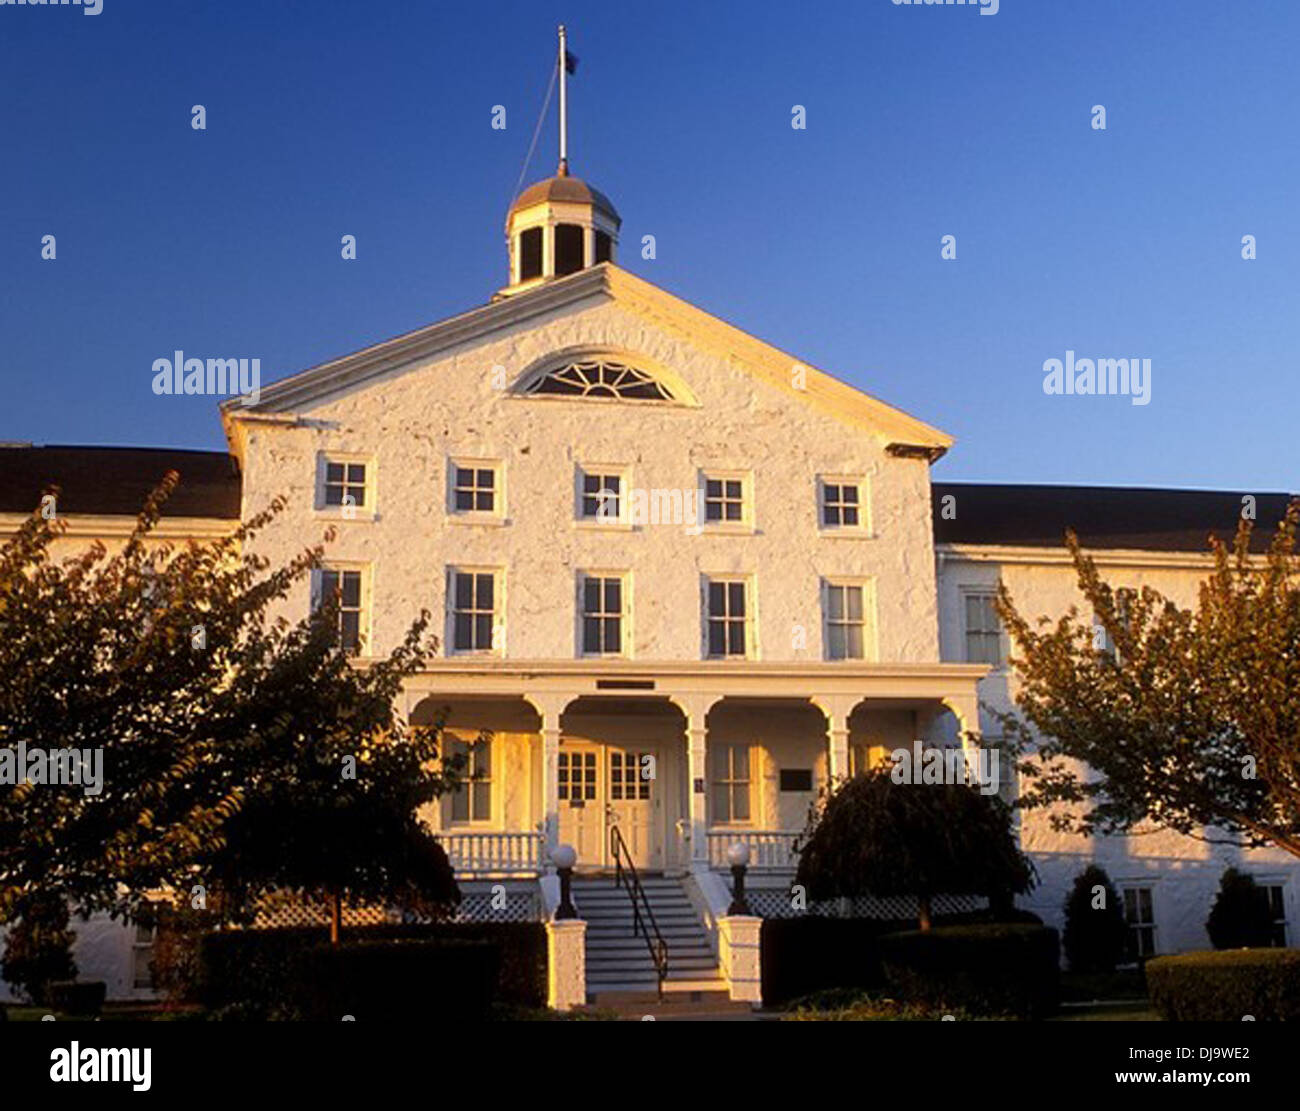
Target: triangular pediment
{"points": [[301, 392]]}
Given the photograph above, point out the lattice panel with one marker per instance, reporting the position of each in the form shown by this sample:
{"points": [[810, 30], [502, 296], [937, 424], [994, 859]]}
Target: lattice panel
{"points": [[775, 903], [520, 906], [286, 914]]}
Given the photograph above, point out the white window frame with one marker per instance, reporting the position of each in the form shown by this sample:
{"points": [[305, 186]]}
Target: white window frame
{"points": [[746, 479], [1124, 886], [494, 516], [862, 529], [497, 642], [346, 512], [750, 619], [143, 940], [866, 587], [965, 592], [1280, 882], [366, 609], [625, 616], [621, 522], [493, 781], [730, 783]]}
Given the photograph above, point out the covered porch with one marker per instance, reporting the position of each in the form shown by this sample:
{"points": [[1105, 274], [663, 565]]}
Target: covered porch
{"points": [[685, 759]]}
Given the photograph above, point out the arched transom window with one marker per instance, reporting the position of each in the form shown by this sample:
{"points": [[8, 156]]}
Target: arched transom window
{"points": [[601, 378]]}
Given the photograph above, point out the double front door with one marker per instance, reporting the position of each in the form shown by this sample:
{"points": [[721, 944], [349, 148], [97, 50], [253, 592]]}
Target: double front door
{"points": [[609, 785]]}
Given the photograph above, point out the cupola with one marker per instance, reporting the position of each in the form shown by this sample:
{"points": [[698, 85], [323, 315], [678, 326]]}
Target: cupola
{"points": [[561, 225]]}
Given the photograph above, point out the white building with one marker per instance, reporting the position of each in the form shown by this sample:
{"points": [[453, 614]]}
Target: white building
{"points": [[684, 579]]}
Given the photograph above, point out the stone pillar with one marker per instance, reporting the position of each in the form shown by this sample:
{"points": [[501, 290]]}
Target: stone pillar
{"points": [[566, 964], [740, 956]]}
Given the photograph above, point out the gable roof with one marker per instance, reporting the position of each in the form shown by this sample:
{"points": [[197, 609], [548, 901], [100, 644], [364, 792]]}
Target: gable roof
{"points": [[116, 480], [902, 432], [1103, 517]]}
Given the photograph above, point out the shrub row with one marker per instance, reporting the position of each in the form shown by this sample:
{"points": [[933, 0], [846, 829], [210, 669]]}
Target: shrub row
{"points": [[1225, 985], [271, 972], [989, 969], [810, 954]]}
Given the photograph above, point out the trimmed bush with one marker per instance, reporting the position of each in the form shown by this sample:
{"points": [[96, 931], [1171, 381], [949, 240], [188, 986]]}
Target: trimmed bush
{"points": [[1004, 968], [1240, 917], [1212, 986], [1095, 936], [814, 954], [398, 981], [38, 947], [260, 969], [77, 997]]}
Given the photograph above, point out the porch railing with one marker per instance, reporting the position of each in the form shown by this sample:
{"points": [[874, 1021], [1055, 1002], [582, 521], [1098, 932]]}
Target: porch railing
{"points": [[494, 853], [770, 850]]}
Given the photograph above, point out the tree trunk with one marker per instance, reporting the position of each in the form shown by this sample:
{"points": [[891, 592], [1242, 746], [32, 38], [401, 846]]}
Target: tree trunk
{"points": [[923, 910], [336, 916]]}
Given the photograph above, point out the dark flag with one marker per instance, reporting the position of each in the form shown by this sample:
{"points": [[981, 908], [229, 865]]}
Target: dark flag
{"points": [[570, 63]]}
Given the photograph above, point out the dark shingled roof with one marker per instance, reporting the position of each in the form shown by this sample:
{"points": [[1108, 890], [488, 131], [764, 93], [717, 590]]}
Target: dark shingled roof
{"points": [[116, 480], [1101, 516]]}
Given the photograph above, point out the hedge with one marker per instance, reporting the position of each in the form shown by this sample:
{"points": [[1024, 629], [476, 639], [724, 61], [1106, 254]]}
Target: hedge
{"points": [[259, 970], [77, 997], [1224, 985], [397, 980], [810, 954], [989, 969]]}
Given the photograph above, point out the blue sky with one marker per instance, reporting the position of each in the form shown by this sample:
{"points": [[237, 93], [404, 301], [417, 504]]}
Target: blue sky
{"points": [[328, 118]]}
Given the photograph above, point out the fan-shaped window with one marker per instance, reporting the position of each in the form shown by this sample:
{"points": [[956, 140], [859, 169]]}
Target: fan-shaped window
{"points": [[601, 379]]}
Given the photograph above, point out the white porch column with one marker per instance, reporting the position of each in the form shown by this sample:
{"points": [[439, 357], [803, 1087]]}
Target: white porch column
{"points": [[837, 708], [549, 708], [696, 710], [966, 709]]}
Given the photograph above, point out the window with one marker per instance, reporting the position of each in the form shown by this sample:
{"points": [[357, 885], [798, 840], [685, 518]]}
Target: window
{"points": [[604, 247], [474, 611], [725, 619], [345, 484], [724, 500], [530, 254], [600, 378], [602, 497], [474, 488], [626, 780], [142, 956], [841, 505], [1276, 895], [568, 248], [345, 586], [577, 776], [472, 802], [1140, 916], [845, 622], [730, 783], [983, 630], [602, 615]]}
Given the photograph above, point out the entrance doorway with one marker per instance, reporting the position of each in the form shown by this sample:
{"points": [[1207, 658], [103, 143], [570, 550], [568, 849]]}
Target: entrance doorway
{"points": [[603, 785]]}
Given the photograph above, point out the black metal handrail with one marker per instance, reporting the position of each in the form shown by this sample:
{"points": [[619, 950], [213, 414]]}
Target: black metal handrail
{"points": [[657, 946]]}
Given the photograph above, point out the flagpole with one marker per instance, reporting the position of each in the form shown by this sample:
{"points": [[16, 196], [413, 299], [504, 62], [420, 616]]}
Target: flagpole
{"points": [[564, 109]]}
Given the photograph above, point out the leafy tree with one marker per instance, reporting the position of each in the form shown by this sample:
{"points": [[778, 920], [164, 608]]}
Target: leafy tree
{"points": [[223, 729], [1095, 929], [38, 947], [872, 836], [1190, 722], [1241, 917]]}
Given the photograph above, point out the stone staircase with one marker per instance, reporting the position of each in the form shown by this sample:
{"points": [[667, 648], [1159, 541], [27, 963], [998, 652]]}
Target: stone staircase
{"points": [[619, 967]]}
